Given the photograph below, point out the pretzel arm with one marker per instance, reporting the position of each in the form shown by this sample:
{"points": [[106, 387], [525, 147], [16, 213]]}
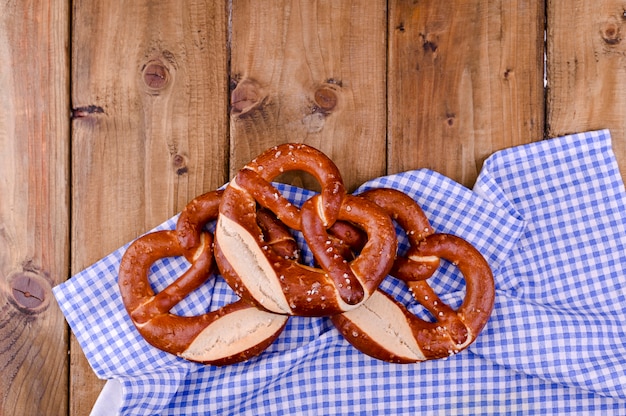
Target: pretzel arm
{"points": [[268, 196], [480, 286], [277, 235], [443, 313], [384, 328], [230, 334], [257, 272], [148, 249], [196, 214]]}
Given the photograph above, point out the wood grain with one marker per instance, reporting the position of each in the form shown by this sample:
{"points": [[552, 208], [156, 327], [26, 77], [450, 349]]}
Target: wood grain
{"points": [[311, 72], [465, 79], [149, 99], [165, 103], [34, 211], [586, 76]]}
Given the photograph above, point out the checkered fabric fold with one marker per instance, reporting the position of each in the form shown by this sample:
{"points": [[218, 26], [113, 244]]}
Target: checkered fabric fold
{"points": [[549, 219], [565, 282]]}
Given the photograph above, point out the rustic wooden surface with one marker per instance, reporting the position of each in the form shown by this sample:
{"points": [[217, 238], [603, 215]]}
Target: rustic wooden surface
{"points": [[465, 80], [114, 114], [149, 127], [586, 49], [34, 209], [311, 72]]}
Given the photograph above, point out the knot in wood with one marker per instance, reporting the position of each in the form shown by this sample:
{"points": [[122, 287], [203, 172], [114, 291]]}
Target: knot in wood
{"points": [[325, 98], [156, 75], [244, 97], [29, 292], [611, 33], [179, 163]]}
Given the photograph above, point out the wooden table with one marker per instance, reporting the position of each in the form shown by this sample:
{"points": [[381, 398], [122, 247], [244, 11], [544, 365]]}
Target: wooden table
{"points": [[114, 114]]}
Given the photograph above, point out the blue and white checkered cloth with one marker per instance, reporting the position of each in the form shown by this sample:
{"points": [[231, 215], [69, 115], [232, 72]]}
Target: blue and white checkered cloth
{"points": [[550, 218]]}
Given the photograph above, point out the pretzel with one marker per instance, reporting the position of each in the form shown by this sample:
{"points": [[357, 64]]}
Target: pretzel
{"points": [[354, 242], [233, 333], [277, 236], [283, 285], [411, 218], [385, 329]]}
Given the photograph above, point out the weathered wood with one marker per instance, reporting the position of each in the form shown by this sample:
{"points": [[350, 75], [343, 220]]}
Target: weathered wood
{"points": [[34, 214], [311, 72], [465, 79], [586, 71], [150, 111], [149, 99]]}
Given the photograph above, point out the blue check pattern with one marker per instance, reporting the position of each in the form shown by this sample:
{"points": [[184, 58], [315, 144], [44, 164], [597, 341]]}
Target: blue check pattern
{"points": [[549, 218]]}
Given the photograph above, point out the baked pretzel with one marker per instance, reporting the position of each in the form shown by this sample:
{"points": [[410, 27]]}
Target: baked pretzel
{"points": [[283, 285], [233, 333], [385, 329], [411, 218]]}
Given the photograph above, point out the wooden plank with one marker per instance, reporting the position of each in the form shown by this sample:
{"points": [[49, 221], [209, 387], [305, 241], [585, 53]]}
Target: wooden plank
{"points": [[149, 98], [34, 214], [311, 72], [586, 76], [465, 79]]}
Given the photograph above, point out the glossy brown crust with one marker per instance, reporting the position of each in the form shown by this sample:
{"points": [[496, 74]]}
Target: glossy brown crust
{"points": [[341, 282], [410, 217], [316, 291], [277, 235], [361, 276], [415, 267], [348, 235], [452, 331], [256, 176], [150, 311], [477, 306], [196, 214], [141, 301], [404, 210]]}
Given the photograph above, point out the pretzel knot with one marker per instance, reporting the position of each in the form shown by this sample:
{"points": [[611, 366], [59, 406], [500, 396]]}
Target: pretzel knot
{"points": [[208, 338], [385, 329], [280, 283]]}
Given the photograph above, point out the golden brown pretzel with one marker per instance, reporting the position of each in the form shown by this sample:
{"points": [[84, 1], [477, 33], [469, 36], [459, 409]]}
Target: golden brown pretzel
{"points": [[254, 179], [410, 217], [361, 276], [277, 236], [383, 328], [282, 285], [233, 333]]}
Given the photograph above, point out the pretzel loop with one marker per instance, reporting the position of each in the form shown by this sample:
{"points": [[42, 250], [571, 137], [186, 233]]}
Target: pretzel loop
{"points": [[197, 213], [207, 338], [385, 329], [278, 283], [364, 273], [411, 218], [255, 179], [355, 246]]}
